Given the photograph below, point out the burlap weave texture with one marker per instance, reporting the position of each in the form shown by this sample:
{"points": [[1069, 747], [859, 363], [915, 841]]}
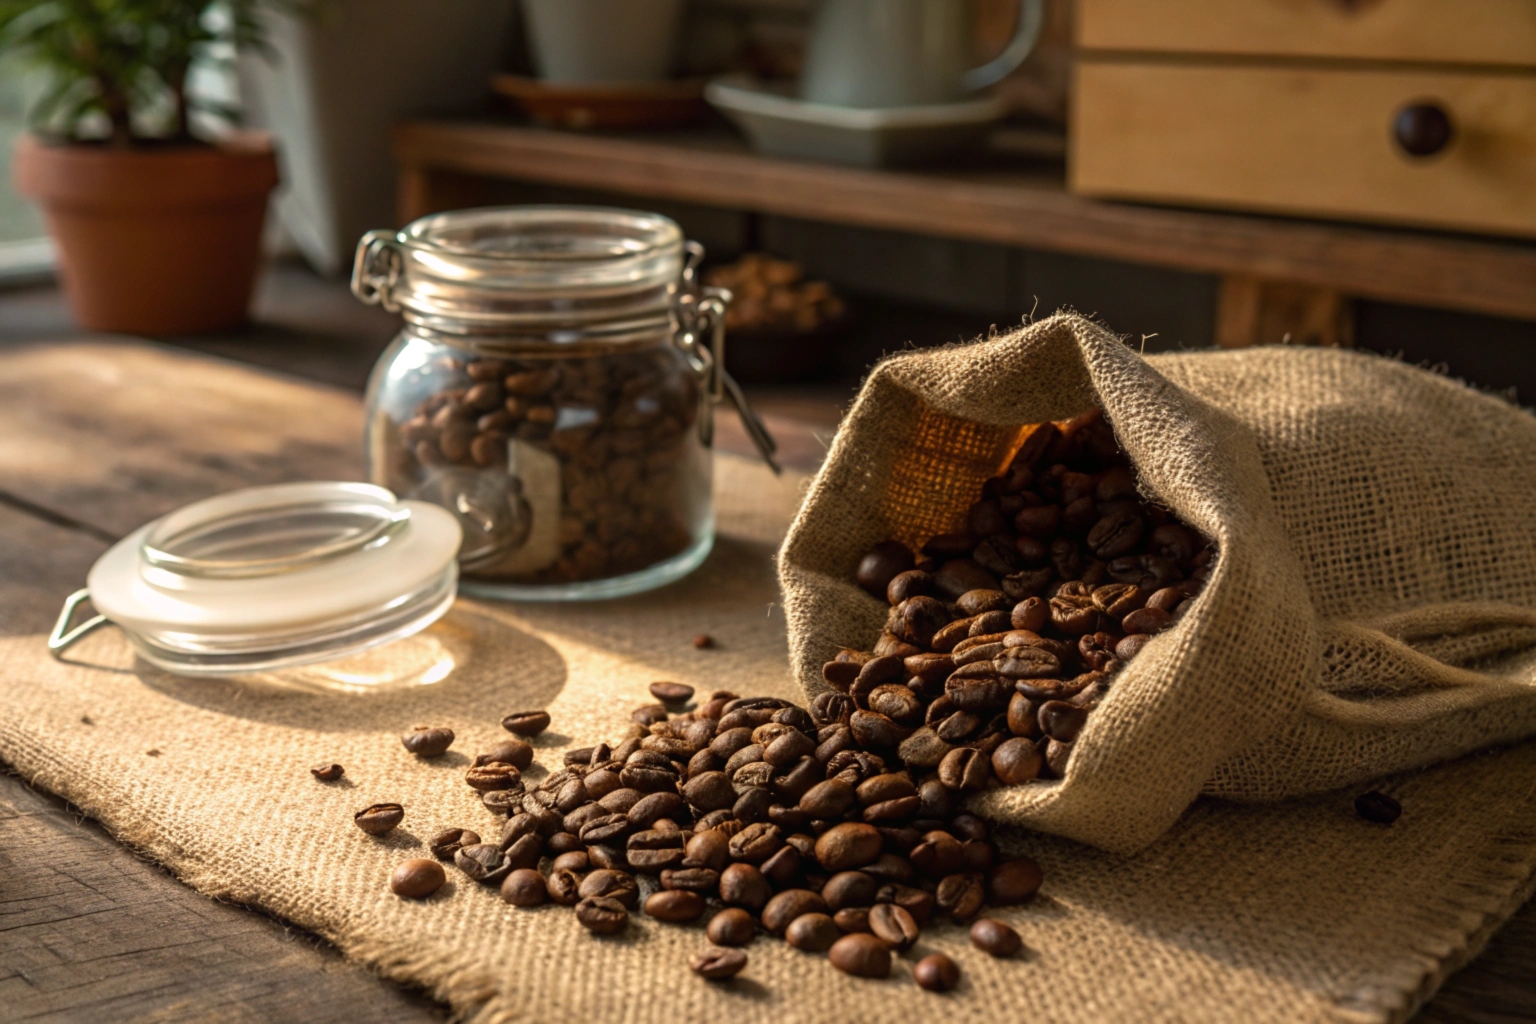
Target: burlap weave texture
{"points": [[1287, 912], [1374, 597]]}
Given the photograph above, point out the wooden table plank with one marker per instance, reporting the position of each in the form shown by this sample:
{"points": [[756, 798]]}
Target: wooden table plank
{"points": [[1022, 204], [87, 931]]}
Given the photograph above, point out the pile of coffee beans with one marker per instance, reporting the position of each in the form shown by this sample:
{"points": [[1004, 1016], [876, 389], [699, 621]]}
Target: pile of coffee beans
{"points": [[618, 427], [1004, 636], [753, 812]]}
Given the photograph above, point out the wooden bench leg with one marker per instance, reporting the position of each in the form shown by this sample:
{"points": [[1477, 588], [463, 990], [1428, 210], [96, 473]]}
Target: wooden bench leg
{"points": [[1255, 311]]}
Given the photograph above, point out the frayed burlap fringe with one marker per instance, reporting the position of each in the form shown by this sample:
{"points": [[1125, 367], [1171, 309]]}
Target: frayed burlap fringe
{"points": [[1374, 601], [1293, 911]]}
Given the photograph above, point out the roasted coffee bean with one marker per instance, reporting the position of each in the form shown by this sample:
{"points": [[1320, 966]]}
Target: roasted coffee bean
{"points": [[849, 845], [892, 925], [798, 780], [1057, 754], [524, 852], [756, 843], [961, 895], [949, 545], [649, 715], [1062, 721], [616, 885], [912, 583], [849, 889], [526, 723], [672, 693], [936, 973], [709, 791], [1378, 807], [872, 729], [379, 818], [482, 862], [524, 888], [564, 887], [1016, 761], [602, 916], [572, 860], [653, 807], [753, 804], [1027, 663], [964, 769], [812, 933], [449, 841], [743, 885], [789, 748], [731, 927], [417, 878], [784, 907], [881, 564], [603, 856], [1130, 646], [828, 800], [675, 906], [1023, 717], [923, 749], [852, 919], [728, 742], [950, 636], [916, 619], [509, 751], [710, 849], [700, 880], [861, 955], [831, 708], [886, 786], [896, 702], [937, 854], [327, 772], [995, 938], [427, 741], [1146, 620], [491, 776], [655, 850], [718, 964], [1013, 881]]}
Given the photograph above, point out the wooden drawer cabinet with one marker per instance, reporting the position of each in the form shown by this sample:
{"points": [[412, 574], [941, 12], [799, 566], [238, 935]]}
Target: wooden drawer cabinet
{"points": [[1436, 31], [1308, 140], [1293, 106]]}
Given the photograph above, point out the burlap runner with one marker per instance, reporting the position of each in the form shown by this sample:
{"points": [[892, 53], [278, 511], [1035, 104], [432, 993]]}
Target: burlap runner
{"points": [[1373, 608], [1295, 911]]}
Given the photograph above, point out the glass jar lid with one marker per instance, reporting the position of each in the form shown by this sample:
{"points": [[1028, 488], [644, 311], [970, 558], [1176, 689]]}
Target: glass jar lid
{"points": [[527, 270], [270, 577]]}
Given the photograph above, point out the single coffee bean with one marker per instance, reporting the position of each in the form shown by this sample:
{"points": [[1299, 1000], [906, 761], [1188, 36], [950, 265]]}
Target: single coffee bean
{"points": [[916, 902], [892, 925], [1014, 881], [861, 955], [700, 880], [960, 895], [653, 807], [1378, 807], [526, 723], [327, 772], [965, 769], [616, 885], [675, 906], [508, 751], [708, 849], [1017, 760], [601, 915], [449, 841], [1057, 754], [743, 885], [524, 852], [756, 843], [491, 776], [572, 860], [564, 887], [849, 845], [937, 854], [995, 938], [812, 933], [482, 862], [852, 919], [789, 748], [703, 641], [1027, 663], [731, 927], [912, 583], [936, 973], [718, 964], [524, 888], [790, 904], [881, 564], [872, 729], [671, 693], [849, 889], [1146, 620], [417, 878], [427, 741], [1062, 721], [379, 818], [1131, 645], [917, 619]]}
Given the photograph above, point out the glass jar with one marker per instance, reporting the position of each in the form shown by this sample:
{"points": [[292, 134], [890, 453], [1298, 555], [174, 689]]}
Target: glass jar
{"points": [[553, 387]]}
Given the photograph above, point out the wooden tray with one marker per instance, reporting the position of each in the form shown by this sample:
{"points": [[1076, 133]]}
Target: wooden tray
{"points": [[605, 105]]}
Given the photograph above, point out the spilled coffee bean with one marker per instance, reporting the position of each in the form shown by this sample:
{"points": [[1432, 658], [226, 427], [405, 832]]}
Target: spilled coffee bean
{"points": [[379, 818]]}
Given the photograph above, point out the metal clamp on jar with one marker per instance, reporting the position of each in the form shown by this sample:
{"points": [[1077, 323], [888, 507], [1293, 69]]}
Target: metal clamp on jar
{"points": [[554, 387]]}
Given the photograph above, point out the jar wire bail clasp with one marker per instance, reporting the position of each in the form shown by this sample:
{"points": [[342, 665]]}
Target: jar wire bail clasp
{"points": [[701, 315], [63, 636], [376, 269]]}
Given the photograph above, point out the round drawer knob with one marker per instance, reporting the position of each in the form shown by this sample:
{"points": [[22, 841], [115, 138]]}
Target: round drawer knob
{"points": [[1422, 129]]}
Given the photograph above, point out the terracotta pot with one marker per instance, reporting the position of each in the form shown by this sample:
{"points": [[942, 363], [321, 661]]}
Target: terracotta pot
{"points": [[153, 240]]}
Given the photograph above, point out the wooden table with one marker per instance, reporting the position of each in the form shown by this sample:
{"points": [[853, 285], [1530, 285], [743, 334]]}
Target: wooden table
{"points": [[1278, 276], [99, 438]]}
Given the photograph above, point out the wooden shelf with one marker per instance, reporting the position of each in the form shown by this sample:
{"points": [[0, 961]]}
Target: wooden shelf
{"points": [[1014, 202]]}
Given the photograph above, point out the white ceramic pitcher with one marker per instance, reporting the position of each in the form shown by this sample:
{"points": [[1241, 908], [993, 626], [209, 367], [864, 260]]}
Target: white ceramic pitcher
{"points": [[901, 53]]}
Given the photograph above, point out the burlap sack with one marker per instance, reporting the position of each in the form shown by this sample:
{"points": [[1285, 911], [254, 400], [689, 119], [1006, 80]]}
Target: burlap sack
{"points": [[227, 803], [1374, 597]]}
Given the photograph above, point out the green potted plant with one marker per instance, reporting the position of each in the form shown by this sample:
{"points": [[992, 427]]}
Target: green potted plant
{"points": [[158, 227]]}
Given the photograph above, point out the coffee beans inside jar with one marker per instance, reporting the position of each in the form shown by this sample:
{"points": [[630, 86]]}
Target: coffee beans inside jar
{"points": [[581, 465]]}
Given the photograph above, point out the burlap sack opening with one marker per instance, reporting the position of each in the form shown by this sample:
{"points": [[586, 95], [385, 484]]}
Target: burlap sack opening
{"points": [[1373, 608]]}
